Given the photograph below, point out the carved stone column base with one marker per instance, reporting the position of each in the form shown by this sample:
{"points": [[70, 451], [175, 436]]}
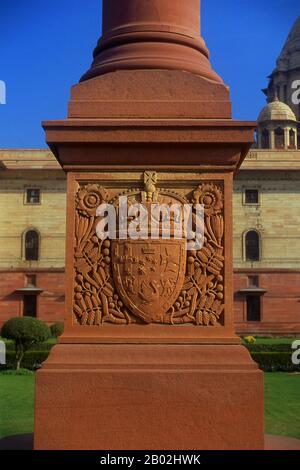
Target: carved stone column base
{"points": [[149, 396]]}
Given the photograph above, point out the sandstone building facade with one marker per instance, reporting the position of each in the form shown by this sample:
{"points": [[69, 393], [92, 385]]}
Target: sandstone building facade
{"points": [[32, 235], [267, 243]]}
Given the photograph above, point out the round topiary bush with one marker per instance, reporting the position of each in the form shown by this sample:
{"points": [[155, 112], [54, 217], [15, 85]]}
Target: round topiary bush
{"points": [[57, 329], [25, 331]]}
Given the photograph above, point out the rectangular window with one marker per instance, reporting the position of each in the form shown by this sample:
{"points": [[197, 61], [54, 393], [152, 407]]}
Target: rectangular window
{"points": [[30, 279], [253, 308], [251, 196], [30, 306], [33, 196], [253, 281]]}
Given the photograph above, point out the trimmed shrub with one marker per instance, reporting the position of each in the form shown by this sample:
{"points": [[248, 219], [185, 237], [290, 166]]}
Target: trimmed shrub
{"points": [[24, 331], [57, 329], [275, 361], [45, 346]]}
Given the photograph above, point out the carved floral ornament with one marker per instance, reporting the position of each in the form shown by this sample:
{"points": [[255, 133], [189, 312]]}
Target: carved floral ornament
{"points": [[148, 281], [89, 198]]}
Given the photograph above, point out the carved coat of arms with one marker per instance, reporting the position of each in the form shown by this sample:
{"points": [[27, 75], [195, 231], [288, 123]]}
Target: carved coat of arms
{"points": [[149, 275]]}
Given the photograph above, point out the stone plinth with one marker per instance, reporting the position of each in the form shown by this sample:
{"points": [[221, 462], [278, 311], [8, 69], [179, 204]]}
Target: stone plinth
{"points": [[149, 358], [149, 396]]}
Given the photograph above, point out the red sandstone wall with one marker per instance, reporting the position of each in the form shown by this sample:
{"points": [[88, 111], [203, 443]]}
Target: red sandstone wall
{"points": [[50, 301], [280, 304], [10, 304]]}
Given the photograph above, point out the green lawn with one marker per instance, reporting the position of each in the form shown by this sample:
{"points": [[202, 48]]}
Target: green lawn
{"points": [[282, 393], [16, 404], [282, 404]]}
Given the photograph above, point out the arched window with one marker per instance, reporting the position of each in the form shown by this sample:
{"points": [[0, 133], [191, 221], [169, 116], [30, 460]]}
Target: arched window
{"points": [[292, 139], [252, 246], [279, 138], [265, 141], [32, 245]]}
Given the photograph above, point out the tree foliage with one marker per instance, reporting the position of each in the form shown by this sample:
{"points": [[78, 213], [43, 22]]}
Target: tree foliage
{"points": [[25, 331], [57, 329]]}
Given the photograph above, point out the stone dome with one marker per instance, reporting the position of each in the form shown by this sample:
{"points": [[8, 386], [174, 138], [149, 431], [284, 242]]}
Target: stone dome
{"points": [[289, 58], [276, 111]]}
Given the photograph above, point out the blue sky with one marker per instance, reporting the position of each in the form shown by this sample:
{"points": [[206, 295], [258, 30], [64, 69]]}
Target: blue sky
{"points": [[45, 47]]}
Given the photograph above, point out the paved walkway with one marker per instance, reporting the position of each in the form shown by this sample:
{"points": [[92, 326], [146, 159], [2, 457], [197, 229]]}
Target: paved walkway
{"points": [[281, 443], [25, 442]]}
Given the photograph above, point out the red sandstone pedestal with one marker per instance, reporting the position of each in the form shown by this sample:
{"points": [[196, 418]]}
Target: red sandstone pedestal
{"points": [[151, 121]]}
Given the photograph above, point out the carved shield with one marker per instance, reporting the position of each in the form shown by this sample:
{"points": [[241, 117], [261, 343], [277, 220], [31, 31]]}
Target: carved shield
{"points": [[149, 275]]}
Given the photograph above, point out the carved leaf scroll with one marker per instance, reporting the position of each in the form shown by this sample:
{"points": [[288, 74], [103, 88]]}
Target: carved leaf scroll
{"points": [[95, 298], [202, 298]]}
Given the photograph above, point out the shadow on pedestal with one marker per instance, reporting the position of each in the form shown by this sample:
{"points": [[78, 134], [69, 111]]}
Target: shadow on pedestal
{"points": [[19, 442]]}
